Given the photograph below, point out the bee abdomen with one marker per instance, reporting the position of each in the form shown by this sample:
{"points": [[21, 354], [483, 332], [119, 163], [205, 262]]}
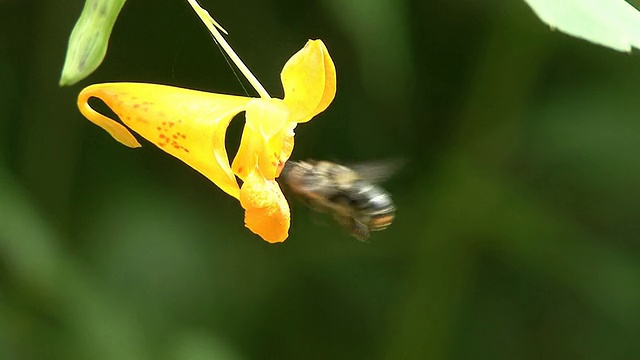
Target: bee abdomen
{"points": [[382, 212], [376, 205]]}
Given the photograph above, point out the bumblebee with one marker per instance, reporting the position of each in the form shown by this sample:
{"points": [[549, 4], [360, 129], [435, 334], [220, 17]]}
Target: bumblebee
{"points": [[350, 194]]}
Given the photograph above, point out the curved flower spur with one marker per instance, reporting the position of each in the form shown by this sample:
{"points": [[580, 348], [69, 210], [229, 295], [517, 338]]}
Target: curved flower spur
{"points": [[191, 125]]}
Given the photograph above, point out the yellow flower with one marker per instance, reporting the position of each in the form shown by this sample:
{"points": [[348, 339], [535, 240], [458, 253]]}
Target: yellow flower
{"points": [[191, 125]]}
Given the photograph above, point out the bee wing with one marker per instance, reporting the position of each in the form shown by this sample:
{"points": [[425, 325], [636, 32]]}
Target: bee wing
{"points": [[378, 171]]}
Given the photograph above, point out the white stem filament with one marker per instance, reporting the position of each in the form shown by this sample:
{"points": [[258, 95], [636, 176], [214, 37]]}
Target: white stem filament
{"points": [[215, 29]]}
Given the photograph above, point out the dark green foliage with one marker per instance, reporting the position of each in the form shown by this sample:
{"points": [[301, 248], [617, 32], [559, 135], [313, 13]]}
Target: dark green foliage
{"points": [[517, 227]]}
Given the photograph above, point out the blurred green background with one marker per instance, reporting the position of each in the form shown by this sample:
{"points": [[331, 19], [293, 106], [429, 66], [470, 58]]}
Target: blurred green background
{"points": [[517, 232]]}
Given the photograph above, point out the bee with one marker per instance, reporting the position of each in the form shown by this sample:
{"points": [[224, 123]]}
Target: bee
{"points": [[350, 194]]}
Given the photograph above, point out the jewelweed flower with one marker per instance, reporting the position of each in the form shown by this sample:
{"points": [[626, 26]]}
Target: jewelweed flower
{"points": [[191, 125]]}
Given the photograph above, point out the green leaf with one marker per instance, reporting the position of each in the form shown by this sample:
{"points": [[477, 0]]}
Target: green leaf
{"points": [[89, 39], [611, 23]]}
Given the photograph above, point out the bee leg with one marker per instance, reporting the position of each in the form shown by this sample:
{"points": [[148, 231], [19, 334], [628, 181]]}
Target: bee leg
{"points": [[358, 229]]}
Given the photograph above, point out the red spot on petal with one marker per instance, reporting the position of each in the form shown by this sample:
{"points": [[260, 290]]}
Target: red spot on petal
{"points": [[240, 169], [162, 136], [159, 128], [187, 150], [136, 105], [171, 123], [184, 136]]}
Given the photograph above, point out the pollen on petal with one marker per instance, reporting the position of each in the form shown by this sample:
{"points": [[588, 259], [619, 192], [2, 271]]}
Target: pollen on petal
{"points": [[266, 209]]}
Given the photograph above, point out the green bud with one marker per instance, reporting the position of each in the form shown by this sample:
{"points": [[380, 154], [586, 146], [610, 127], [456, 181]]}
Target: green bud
{"points": [[89, 39]]}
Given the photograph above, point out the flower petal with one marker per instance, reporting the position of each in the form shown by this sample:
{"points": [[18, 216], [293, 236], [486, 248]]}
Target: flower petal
{"points": [[188, 124], [262, 138], [266, 209], [309, 81], [284, 141]]}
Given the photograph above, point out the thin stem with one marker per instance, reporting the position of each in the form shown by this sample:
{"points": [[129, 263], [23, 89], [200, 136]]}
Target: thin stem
{"points": [[215, 29]]}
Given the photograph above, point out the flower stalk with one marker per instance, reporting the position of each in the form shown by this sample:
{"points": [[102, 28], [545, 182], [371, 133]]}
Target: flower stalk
{"points": [[214, 28]]}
